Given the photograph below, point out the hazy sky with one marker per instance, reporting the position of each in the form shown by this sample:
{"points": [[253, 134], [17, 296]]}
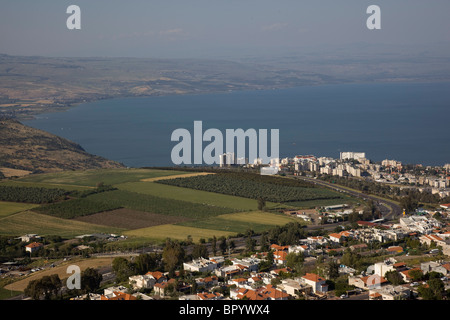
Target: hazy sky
{"points": [[210, 28]]}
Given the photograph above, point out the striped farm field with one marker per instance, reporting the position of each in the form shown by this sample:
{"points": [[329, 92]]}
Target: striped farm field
{"points": [[31, 222], [228, 225], [91, 178], [176, 232], [260, 217], [184, 175], [20, 183], [8, 208], [257, 221], [191, 195]]}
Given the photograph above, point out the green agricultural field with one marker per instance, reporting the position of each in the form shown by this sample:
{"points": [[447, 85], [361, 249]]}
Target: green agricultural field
{"points": [[148, 203], [90, 178], [8, 208], [228, 225], [191, 195], [177, 232], [75, 208], [197, 205], [30, 222], [6, 294], [324, 202], [20, 183], [254, 186], [261, 217]]}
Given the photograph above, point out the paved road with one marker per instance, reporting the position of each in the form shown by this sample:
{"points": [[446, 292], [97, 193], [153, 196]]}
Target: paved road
{"points": [[389, 209]]}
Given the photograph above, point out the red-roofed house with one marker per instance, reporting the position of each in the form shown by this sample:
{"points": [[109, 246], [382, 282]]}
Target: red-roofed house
{"points": [[157, 275], [395, 249], [336, 237], [273, 293], [268, 292], [367, 282], [280, 257], [406, 274], [161, 288], [118, 295], [209, 296], [317, 283], [34, 246], [249, 294], [429, 238], [279, 248]]}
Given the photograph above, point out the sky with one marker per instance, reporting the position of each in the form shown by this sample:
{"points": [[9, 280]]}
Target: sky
{"points": [[214, 29]]}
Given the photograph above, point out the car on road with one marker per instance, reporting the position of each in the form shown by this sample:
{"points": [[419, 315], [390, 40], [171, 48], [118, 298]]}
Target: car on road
{"points": [[343, 296]]}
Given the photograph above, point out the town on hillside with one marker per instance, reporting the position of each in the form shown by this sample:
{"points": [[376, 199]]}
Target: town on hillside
{"points": [[404, 260]]}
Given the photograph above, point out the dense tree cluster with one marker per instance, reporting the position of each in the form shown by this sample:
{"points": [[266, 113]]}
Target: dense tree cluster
{"points": [[31, 194], [254, 186], [124, 268], [75, 208]]}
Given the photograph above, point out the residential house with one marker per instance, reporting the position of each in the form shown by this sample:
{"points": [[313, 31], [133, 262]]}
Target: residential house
{"points": [[209, 296], [200, 265], [162, 288], [317, 283], [380, 268], [280, 257], [268, 292], [34, 246], [142, 282], [240, 282], [367, 282], [317, 241], [295, 287], [273, 293], [276, 247], [406, 274], [28, 237], [390, 292], [207, 282], [158, 276], [300, 249], [443, 268], [118, 295], [394, 249]]}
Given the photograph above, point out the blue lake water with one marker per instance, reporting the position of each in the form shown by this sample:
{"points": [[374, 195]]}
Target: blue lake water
{"points": [[408, 122]]}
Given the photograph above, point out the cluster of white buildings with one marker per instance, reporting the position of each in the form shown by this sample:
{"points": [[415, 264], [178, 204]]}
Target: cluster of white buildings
{"points": [[355, 164]]}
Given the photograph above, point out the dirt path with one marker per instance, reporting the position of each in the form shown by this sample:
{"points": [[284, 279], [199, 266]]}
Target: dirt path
{"points": [[187, 175]]}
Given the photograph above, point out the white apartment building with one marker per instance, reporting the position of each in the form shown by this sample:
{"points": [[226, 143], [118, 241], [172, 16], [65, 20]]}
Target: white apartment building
{"points": [[352, 155]]}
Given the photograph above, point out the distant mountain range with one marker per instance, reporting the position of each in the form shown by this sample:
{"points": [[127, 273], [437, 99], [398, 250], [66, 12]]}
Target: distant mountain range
{"points": [[29, 149], [31, 85]]}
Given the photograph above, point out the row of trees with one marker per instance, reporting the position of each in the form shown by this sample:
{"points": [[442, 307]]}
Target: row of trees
{"points": [[31, 194], [387, 191]]}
